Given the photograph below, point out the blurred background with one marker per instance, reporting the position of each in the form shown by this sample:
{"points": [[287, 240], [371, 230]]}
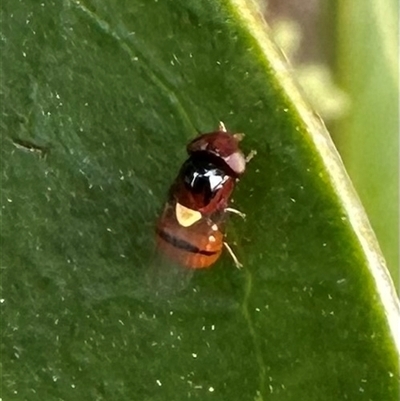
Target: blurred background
{"points": [[345, 56]]}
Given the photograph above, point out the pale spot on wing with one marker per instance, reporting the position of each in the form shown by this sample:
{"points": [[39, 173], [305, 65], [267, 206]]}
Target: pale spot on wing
{"points": [[185, 216]]}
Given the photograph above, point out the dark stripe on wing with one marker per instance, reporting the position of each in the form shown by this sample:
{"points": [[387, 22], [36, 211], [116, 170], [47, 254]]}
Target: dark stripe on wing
{"points": [[181, 244]]}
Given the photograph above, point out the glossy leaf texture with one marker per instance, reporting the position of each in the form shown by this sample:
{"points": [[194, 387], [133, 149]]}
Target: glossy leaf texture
{"points": [[99, 100]]}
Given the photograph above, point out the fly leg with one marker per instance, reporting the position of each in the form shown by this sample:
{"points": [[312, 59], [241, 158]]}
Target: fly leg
{"points": [[235, 211], [233, 256]]}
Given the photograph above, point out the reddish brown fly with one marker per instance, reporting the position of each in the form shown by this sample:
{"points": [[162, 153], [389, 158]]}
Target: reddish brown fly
{"points": [[189, 230]]}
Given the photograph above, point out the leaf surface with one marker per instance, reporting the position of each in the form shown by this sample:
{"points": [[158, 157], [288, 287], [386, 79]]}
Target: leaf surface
{"points": [[107, 94]]}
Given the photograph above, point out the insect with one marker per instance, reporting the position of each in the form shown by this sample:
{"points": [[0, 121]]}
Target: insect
{"points": [[189, 230]]}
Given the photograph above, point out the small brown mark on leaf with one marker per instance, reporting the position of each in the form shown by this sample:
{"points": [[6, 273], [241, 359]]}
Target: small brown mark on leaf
{"points": [[29, 146]]}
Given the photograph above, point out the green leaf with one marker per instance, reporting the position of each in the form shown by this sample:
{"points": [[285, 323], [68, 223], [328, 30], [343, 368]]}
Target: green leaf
{"points": [[368, 138], [99, 100]]}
